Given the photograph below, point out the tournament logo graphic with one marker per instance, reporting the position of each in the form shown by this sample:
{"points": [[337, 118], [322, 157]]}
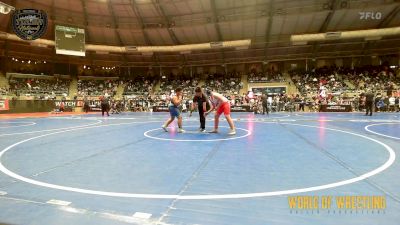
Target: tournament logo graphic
{"points": [[29, 24]]}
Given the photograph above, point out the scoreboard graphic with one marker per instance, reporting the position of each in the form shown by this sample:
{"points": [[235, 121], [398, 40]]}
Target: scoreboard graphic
{"points": [[70, 40]]}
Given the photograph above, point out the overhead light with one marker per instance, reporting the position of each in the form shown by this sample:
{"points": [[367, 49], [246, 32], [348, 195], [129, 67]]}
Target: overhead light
{"points": [[237, 43], [216, 44], [145, 50], [366, 34], [84, 66], [131, 48], [333, 35], [5, 9]]}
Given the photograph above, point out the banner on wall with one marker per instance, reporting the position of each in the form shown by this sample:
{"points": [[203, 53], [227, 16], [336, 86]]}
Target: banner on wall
{"points": [[269, 90], [71, 103], [4, 105], [335, 108], [160, 109], [243, 108]]}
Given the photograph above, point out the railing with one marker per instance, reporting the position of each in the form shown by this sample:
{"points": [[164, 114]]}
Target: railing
{"points": [[135, 93], [37, 76], [40, 92], [266, 80]]}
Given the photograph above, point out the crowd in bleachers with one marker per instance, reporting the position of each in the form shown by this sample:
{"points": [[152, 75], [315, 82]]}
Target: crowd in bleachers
{"points": [[187, 84], [138, 86], [162, 95], [337, 78], [35, 86], [375, 77], [97, 87], [265, 77], [331, 85], [321, 86], [312, 82], [140, 94], [228, 84]]}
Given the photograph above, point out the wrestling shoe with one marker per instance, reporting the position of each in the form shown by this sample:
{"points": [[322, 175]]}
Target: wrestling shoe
{"points": [[164, 128], [180, 130], [213, 131], [232, 132]]}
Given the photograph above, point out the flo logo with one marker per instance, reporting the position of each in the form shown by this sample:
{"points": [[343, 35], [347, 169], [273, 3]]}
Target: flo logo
{"points": [[370, 15], [29, 24]]}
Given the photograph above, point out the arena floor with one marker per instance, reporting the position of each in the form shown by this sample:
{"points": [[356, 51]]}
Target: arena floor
{"points": [[125, 170]]}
